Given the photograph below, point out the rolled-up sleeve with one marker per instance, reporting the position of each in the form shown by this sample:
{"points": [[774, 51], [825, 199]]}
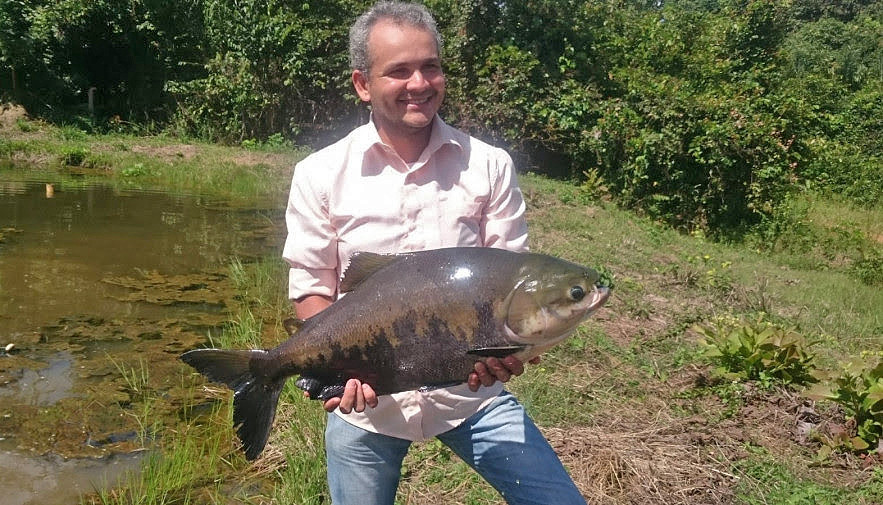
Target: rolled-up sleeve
{"points": [[311, 245], [504, 225]]}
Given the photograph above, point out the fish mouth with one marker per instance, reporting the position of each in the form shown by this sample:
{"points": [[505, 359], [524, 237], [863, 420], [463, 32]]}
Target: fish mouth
{"points": [[600, 294]]}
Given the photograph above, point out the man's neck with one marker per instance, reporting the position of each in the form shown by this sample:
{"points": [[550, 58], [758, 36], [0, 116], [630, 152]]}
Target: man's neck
{"points": [[408, 144]]}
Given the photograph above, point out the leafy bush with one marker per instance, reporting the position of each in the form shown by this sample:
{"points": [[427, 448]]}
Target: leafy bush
{"points": [[74, 156], [858, 389], [869, 268], [226, 105], [758, 351]]}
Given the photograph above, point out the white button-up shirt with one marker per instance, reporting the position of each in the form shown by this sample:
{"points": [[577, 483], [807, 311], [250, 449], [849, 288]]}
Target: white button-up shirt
{"points": [[359, 195]]}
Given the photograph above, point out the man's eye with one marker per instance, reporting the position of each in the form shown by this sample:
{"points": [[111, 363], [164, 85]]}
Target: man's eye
{"points": [[399, 73]]}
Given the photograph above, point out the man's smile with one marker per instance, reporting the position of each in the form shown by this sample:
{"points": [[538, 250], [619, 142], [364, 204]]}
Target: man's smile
{"points": [[416, 101]]}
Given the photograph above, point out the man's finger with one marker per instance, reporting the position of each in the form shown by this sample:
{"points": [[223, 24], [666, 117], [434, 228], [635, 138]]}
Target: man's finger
{"points": [[499, 371], [473, 382], [370, 396], [360, 400], [331, 404], [513, 365], [348, 400], [484, 375]]}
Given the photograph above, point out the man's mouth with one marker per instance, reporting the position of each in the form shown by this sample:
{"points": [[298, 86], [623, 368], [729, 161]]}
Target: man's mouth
{"points": [[416, 101]]}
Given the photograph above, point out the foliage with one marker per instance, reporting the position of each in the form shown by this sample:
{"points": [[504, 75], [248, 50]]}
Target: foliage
{"points": [[74, 156], [870, 269], [227, 104], [125, 49], [758, 351], [858, 389], [277, 67]]}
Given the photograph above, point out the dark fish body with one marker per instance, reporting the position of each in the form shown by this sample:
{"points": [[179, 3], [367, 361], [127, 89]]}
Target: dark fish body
{"points": [[409, 321]]}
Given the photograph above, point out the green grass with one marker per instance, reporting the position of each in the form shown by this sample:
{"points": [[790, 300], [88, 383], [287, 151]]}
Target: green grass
{"points": [[647, 258], [232, 174], [299, 440], [189, 462], [765, 481]]}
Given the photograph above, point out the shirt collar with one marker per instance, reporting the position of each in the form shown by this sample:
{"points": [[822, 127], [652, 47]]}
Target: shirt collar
{"points": [[442, 135]]}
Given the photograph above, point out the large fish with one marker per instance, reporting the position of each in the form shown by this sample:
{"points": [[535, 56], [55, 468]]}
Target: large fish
{"points": [[409, 321]]}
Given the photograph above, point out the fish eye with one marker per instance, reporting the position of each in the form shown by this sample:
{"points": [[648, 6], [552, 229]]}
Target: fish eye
{"points": [[577, 293]]}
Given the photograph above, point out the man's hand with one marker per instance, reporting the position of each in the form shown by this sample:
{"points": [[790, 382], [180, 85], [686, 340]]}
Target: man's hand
{"points": [[493, 369], [356, 396]]}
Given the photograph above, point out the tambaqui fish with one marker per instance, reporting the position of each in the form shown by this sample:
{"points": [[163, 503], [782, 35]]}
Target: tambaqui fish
{"points": [[408, 321]]}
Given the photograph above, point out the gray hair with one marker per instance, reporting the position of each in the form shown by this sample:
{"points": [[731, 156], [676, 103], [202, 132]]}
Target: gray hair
{"points": [[401, 13]]}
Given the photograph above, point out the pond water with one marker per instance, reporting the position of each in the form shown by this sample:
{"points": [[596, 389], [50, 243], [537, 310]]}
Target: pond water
{"points": [[100, 288]]}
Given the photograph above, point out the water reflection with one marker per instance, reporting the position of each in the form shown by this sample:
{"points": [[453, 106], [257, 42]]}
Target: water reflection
{"points": [[41, 387], [51, 480], [65, 245], [95, 280]]}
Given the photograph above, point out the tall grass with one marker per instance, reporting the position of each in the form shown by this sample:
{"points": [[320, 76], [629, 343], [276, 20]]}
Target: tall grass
{"points": [[196, 459], [190, 457], [299, 450]]}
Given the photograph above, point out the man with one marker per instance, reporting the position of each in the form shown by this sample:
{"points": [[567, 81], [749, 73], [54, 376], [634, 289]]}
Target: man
{"points": [[406, 181]]}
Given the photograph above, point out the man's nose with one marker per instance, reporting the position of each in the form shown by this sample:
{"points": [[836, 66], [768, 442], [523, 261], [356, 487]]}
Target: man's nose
{"points": [[417, 80]]}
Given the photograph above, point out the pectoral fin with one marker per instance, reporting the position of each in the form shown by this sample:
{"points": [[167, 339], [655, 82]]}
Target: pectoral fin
{"points": [[496, 352], [321, 389]]}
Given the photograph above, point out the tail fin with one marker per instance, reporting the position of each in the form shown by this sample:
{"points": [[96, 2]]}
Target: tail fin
{"points": [[255, 396]]}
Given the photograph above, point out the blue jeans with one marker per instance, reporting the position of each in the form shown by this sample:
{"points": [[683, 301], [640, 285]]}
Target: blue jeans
{"points": [[500, 442]]}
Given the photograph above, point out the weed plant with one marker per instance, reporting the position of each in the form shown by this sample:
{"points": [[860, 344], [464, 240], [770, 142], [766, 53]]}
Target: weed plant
{"points": [[858, 388], [758, 351]]}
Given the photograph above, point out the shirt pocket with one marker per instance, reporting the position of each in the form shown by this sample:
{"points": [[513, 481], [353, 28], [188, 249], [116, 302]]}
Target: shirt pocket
{"points": [[462, 212]]}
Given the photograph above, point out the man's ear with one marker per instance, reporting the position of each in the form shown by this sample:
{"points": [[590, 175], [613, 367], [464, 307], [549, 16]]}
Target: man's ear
{"points": [[360, 82]]}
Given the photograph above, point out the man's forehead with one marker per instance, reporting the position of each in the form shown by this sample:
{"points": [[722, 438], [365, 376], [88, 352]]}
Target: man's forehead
{"points": [[383, 26], [394, 39]]}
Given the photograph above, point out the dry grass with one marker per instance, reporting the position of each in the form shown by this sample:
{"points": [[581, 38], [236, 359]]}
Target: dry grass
{"points": [[656, 464], [10, 114]]}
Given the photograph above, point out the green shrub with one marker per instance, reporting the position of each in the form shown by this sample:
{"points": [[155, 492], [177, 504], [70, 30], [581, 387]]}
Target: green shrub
{"points": [[758, 351], [135, 170], [71, 133], [869, 268], [74, 156], [858, 389]]}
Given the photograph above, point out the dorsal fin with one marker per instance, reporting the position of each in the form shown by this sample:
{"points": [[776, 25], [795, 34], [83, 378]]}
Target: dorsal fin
{"points": [[362, 265]]}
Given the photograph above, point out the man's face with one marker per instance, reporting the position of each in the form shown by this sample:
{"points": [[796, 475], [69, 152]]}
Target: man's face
{"points": [[405, 83]]}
